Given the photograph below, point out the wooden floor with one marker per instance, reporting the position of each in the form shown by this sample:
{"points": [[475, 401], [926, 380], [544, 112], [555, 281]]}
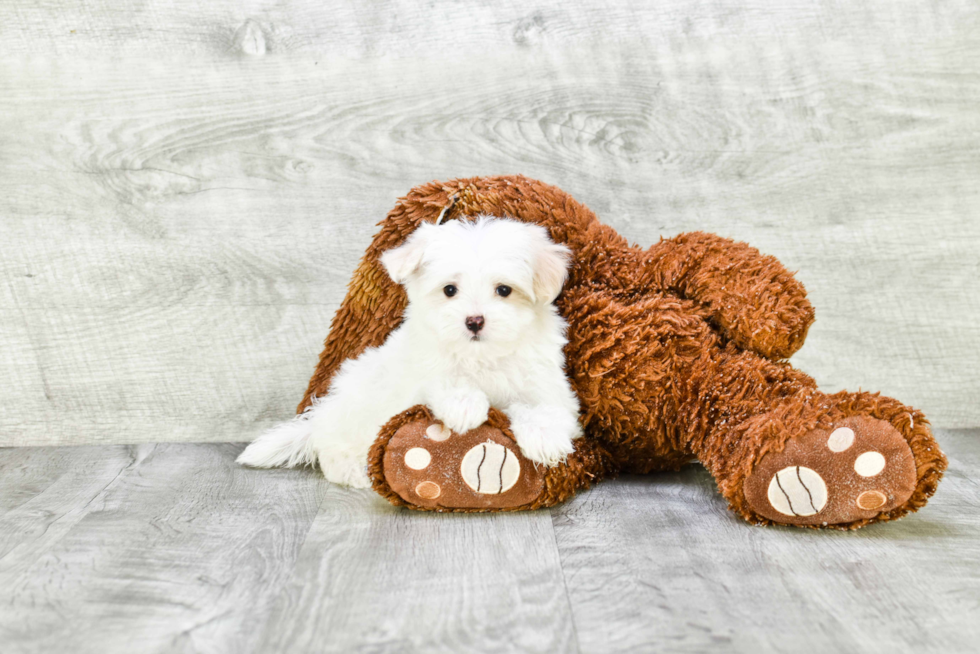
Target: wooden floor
{"points": [[174, 548]]}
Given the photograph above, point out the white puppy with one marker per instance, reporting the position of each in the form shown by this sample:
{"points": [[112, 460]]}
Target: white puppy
{"points": [[480, 330]]}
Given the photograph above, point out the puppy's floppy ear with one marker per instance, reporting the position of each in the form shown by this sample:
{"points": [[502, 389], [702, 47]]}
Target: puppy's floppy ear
{"points": [[550, 270], [401, 262]]}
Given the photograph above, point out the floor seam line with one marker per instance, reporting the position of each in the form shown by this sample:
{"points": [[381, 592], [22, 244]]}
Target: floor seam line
{"points": [[277, 593], [564, 581]]}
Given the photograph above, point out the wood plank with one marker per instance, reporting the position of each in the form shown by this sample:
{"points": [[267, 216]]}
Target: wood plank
{"points": [[180, 219], [177, 549], [44, 492], [159, 547], [659, 564], [181, 374], [396, 28], [371, 577]]}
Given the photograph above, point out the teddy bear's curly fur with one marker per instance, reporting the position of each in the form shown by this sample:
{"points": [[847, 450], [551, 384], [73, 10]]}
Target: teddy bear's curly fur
{"points": [[677, 352]]}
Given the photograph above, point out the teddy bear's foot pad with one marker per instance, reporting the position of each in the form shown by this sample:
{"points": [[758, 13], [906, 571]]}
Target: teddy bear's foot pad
{"points": [[429, 466], [857, 469]]}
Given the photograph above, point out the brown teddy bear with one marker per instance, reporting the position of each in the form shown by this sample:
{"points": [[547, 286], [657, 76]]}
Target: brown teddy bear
{"points": [[677, 353]]}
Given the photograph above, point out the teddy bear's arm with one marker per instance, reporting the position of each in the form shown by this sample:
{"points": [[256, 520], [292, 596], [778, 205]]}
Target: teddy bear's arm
{"points": [[754, 299]]}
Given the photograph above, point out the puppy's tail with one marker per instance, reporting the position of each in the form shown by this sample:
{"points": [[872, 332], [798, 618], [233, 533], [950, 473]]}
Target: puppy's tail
{"points": [[290, 445]]}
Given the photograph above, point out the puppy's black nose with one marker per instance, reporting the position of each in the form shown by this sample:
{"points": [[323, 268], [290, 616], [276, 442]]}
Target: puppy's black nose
{"points": [[474, 323]]}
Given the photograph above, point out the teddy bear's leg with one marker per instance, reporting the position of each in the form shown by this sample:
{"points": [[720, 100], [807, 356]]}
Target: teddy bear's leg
{"points": [[782, 451], [419, 463], [659, 387]]}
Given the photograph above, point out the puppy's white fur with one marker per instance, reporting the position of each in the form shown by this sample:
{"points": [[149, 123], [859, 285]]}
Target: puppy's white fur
{"points": [[514, 363]]}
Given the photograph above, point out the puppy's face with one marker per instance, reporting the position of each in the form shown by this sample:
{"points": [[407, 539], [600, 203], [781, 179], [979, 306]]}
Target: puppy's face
{"points": [[478, 286]]}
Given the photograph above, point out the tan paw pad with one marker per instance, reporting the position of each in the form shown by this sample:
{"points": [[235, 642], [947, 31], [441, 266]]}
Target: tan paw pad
{"points": [[871, 500], [428, 490]]}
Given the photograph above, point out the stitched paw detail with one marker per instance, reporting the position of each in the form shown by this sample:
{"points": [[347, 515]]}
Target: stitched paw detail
{"points": [[797, 491], [430, 466], [854, 471], [490, 468]]}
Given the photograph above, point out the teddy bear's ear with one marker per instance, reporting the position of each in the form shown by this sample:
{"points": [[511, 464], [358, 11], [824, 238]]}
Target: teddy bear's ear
{"points": [[403, 261], [550, 270]]}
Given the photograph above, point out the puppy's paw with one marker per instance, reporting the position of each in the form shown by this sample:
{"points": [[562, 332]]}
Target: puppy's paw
{"points": [[462, 410], [544, 432], [542, 445], [345, 470]]}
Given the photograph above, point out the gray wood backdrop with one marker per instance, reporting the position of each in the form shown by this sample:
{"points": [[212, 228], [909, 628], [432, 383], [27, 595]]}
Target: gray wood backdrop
{"points": [[186, 186]]}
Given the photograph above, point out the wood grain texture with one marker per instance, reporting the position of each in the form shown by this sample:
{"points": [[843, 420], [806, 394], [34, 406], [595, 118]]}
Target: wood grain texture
{"points": [[375, 578], [151, 548], [657, 564], [173, 548], [187, 187]]}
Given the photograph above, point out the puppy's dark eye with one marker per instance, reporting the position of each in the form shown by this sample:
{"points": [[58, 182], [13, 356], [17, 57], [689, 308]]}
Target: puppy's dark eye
{"points": [[503, 291], [449, 290]]}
